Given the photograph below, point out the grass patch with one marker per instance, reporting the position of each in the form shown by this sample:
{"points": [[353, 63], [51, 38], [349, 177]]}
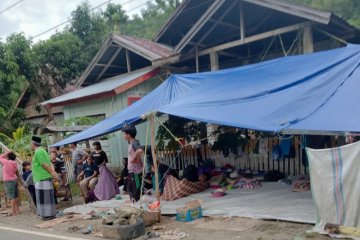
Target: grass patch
{"points": [[75, 190], [310, 235]]}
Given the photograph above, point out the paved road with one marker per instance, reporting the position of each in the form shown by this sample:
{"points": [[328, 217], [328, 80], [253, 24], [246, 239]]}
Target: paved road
{"points": [[10, 233]]}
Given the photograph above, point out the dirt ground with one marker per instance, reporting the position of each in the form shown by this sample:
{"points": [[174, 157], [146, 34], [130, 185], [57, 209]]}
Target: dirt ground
{"points": [[202, 229]]}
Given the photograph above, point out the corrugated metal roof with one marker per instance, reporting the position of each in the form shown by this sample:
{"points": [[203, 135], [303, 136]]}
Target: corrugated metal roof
{"points": [[150, 49], [147, 50], [299, 10], [174, 28], [105, 87]]}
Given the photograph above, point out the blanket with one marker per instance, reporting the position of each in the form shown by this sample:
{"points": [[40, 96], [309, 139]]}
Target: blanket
{"points": [[107, 186], [335, 185], [175, 188]]}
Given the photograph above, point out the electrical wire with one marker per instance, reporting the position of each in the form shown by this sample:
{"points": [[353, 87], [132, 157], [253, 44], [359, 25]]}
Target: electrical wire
{"points": [[11, 6], [59, 25], [92, 9]]}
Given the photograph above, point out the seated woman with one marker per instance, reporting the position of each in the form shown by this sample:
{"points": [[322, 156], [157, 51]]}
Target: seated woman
{"points": [[175, 188], [106, 188], [88, 177]]}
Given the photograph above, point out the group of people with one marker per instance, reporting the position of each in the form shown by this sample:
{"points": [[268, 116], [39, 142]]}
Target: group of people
{"points": [[169, 185], [95, 179], [37, 177], [43, 175]]}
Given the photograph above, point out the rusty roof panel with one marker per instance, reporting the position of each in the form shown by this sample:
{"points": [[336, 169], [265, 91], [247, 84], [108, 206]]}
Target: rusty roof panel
{"points": [[145, 47]]}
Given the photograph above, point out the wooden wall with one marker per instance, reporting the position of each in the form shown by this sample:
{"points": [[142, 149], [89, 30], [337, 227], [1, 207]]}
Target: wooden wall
{"points": [[251, 161], [109, 106]]}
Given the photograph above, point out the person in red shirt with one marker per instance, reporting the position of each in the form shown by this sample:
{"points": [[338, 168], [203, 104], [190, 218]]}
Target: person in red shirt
{"points": [[10, 176]]}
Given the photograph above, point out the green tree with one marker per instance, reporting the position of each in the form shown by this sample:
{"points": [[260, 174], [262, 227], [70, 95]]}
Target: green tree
{"points": [[91, 28], [151, 19], [15, 68], [61, 53], [115, 17]]}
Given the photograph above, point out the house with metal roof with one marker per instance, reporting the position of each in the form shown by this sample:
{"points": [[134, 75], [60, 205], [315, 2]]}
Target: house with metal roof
{"points": [[120, 73], [200, 36]]}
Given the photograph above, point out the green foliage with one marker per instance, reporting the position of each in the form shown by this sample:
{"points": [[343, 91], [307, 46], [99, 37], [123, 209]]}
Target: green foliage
{"points": [[115, 17], [180, 128], [229, 139], [83, 121], [63, 52], [151, 19], [15, 68], [19, 143]]}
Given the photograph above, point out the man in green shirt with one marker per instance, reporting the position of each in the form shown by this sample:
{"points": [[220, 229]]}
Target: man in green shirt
{"points": [[43, 174]]}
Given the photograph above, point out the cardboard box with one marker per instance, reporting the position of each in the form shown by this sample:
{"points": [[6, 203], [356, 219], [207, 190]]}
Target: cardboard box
{"points": [[190, 212]]}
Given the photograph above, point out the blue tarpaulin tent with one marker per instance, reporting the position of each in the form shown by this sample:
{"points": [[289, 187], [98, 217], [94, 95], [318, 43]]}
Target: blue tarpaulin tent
{"points": [[307, 93]]}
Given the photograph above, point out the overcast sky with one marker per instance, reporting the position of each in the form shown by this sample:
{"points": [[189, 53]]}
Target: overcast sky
{"points": [[36, 16]]}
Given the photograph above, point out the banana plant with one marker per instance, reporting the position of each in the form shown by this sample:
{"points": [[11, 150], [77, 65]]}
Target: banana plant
{"points": [[19, 143]]}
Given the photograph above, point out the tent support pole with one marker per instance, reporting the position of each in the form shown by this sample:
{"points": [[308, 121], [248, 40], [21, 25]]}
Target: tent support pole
{"points": [[153, 153]]}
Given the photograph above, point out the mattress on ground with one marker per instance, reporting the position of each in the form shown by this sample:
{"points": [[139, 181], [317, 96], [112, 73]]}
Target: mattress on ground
{"points": [[271, 201]]}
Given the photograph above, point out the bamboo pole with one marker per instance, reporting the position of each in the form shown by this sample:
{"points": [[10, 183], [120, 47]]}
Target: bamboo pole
{"points": [[152, 133]]}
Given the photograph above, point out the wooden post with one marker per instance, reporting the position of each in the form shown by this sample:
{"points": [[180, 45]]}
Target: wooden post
{"points": [[242, 23], [152, 133], [308, 44], [197, 59], [128, 62], [214, 61]]}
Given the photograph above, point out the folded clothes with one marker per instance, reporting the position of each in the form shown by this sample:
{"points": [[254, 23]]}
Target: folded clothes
{"points": [[289, 180], [247, 183]]}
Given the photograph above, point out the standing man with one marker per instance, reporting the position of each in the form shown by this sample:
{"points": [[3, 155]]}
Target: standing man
{"points": [[43, 175], [78, 157], [135, 164]]}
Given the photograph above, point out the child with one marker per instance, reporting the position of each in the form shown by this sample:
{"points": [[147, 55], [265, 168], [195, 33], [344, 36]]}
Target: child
{"points": [[135, 164], [90, 172], [10, 177], [27, 177]]}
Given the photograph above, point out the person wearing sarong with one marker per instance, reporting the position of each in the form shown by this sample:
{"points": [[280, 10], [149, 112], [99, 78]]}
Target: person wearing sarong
{"points": [[106, 187], [42, 175]]}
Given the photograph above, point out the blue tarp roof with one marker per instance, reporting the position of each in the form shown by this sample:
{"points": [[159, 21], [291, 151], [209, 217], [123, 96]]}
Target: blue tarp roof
{"points": [[162, 95], [306, 93]]}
